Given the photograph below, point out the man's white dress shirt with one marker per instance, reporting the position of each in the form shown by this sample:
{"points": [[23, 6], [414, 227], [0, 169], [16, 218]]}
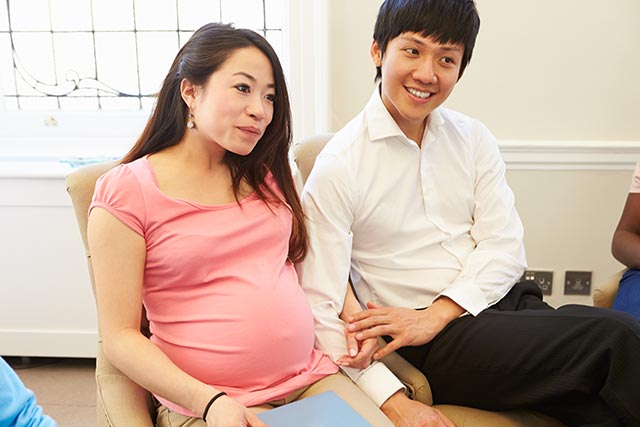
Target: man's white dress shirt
{"points": [[408, 224]]}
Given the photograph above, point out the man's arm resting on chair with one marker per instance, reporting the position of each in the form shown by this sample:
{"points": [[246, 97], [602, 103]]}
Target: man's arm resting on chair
{"points": [[401, 410]]}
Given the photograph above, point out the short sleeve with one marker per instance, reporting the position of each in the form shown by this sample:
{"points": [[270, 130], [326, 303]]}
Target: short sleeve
{"points": [[119, 192]]}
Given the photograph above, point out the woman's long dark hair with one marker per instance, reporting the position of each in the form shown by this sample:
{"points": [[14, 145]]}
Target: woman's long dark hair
{"points": [[204, 53]]}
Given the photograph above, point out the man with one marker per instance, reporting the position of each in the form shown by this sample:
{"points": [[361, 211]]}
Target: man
{"points": [[409, 201]]}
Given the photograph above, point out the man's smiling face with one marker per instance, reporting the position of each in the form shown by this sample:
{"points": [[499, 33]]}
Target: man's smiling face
{"points": [[418, 75]]}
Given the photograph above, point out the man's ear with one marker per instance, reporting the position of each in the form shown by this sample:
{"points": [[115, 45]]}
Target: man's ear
{"points": [[376, 54], [188, 91]]}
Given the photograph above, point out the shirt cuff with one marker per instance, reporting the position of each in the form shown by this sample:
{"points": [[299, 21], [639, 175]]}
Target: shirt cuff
{"points": [[377, 381], [466, 296]]}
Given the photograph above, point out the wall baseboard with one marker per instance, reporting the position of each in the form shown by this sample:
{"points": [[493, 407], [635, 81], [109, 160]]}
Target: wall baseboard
{"points": [[569, 155], [50, 343]]}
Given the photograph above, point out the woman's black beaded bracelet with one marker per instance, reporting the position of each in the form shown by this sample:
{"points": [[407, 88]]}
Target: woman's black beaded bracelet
{"points": [[213, 399]]}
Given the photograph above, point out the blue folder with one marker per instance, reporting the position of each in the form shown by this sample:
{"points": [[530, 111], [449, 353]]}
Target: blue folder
{"points": [[322, 410]]}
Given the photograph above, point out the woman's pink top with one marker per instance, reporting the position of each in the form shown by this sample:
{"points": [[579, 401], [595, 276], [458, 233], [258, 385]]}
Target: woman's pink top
{"points": [[635, 182], [222, 299]]}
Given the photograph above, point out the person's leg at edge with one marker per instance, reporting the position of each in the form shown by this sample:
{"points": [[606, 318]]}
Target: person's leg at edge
{"points": [[538, 357]]}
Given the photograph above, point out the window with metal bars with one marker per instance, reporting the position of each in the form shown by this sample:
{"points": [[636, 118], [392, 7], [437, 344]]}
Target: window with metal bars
{"points": [[87, 55]]}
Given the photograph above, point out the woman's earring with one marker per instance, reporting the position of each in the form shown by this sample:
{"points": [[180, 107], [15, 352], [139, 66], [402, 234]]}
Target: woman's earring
{"points": [[190, 123]]}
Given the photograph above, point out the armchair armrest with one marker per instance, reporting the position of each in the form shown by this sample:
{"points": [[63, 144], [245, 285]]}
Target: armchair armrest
{"points": [[121, 402], [418, 387], [604, 293]]}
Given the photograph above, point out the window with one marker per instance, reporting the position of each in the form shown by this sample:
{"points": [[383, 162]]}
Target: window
{"points": [[76, 100], [108, 54]]}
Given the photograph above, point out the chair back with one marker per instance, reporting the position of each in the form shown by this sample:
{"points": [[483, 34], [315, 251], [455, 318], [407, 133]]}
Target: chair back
{"points": [[80, 186], [120, 401], [305, 152]]}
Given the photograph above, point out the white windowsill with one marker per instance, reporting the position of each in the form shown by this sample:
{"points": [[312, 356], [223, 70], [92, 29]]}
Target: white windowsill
{"points": [[55, 158]]}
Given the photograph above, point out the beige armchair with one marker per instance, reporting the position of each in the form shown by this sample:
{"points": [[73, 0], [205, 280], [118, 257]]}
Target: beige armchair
{"points": [[304, 154], [120, 401], [604, 293]]}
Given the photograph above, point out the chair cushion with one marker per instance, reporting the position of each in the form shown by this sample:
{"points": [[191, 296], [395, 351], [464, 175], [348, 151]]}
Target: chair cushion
{"points": [[604, 293], [469, 417]]}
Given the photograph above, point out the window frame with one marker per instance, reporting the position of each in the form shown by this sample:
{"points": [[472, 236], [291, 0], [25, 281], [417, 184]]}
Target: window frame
{"points": [[59, 133]]}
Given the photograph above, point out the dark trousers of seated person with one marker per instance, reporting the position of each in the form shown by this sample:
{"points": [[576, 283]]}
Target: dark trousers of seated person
{"points": [[577, 364]]}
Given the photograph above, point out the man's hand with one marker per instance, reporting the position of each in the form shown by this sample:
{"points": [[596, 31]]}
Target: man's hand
{"points": [[404, 325], [404, 412]]}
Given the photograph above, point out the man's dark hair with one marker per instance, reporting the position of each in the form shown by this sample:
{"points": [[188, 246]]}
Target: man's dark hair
{"points": [[447, 21]]}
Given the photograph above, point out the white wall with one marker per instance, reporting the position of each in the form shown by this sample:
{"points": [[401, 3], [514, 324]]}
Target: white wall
{"points": [[554, 74], [556, 69], [545, 69], [569, 218]]}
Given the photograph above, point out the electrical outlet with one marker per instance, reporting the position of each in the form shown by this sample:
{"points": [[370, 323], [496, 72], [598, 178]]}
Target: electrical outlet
{"points": [[542, 278], [577, 283]]}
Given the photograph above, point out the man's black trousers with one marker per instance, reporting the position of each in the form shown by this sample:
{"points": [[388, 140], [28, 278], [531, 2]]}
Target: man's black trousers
{"points": [[578, 364]]}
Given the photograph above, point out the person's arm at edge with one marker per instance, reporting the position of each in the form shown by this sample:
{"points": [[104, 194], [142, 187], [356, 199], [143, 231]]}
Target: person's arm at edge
{"points": [[18, 406], [625, 245]]}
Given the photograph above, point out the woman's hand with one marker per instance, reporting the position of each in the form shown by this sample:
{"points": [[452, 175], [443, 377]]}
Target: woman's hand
{"points": [[228, 412], [360, 352]]}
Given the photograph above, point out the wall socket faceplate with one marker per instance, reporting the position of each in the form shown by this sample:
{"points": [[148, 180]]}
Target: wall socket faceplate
{"points": [[542, 278], [577, 283]]}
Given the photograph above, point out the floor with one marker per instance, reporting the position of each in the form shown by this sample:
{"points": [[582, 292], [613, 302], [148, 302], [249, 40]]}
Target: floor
{"points": [[65, 388]]}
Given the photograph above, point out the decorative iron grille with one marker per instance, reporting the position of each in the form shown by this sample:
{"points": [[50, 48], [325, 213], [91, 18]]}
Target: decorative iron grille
{"points": [[107, 54]]}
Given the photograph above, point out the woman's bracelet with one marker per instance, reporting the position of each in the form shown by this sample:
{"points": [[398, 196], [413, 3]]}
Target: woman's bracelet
{"points": [[213, 399]]}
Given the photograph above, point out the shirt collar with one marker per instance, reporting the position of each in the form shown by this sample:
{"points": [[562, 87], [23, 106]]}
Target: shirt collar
{"points": [[381, 124]]}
